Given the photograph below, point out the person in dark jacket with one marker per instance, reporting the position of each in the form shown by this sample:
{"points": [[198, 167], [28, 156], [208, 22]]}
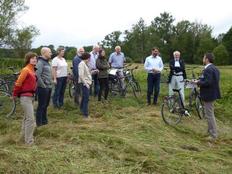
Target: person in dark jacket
{"points": [[177, 74], [209, 92], [103, 67], [44, 82], [76, 60]]}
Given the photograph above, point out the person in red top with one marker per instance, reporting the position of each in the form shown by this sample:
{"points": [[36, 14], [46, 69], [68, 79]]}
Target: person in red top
{"points": [[24, 88]]}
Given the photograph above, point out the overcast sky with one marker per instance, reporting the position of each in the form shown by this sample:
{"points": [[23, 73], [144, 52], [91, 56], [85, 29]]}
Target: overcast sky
{"points": [[86, 22]]}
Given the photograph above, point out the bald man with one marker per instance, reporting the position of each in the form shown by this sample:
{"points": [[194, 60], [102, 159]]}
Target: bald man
{"points": [[44, 83]]}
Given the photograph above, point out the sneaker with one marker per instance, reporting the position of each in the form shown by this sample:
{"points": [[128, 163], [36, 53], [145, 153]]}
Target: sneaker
{"points": [[187, 114], [210, 139]]}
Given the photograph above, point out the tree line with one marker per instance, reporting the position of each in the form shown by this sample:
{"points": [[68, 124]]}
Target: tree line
{"points": [[192, 39]]}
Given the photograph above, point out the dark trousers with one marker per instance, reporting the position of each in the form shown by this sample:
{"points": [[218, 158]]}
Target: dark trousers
{"points": [[96, 85], [84, 101], [104, 85], [153, 84], [77, 92], [43, 96], [58, 96]]}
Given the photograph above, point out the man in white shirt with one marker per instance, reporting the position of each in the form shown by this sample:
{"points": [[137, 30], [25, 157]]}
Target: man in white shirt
{"points": [[153, 65]]}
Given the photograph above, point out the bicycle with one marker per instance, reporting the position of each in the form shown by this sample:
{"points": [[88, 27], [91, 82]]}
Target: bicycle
{"points": [[194, 97], [132, 82], [3, 85], [7, 104], [173, 108], [115, 84], [7, 81], [71, 85]]}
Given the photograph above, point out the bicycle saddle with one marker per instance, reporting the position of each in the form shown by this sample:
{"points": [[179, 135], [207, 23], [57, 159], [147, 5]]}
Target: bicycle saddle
{"points": [[176, 90]]}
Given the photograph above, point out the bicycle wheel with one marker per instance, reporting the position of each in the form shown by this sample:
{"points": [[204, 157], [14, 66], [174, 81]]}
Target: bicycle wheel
{"points": [[3, 85], [135, 91], [192, 99], [7, 104], [137, 86], [71, 89], [171, 111], [199, 107]]}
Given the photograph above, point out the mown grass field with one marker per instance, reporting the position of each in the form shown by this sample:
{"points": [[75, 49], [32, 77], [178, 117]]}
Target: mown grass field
{"points": [[122, 136]]}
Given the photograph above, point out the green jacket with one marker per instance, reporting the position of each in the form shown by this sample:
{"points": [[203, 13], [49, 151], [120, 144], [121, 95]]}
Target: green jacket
{"points": [[103, 67]]}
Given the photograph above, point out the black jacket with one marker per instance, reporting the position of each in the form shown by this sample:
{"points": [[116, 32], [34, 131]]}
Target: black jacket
{"points": [[103, 67], [209, 84], [174, 69]]}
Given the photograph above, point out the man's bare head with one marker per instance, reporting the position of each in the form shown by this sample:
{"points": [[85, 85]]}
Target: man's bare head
{"points": [[46, 52]]}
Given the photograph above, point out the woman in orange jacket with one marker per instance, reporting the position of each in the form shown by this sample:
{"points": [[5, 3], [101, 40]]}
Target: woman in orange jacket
{"points": [[24, 88]]}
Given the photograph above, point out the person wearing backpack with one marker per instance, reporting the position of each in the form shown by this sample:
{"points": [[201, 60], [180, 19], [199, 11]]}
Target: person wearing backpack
{"points": [[24, 88]]}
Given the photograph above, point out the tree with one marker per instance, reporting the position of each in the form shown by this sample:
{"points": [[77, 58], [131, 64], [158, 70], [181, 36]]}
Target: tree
{"points": [[9, 10], [227, 42], [221, 55], [136, 41], [112, 40], [163, 27], [70, 52], [183, 40], [206, 44], [22, 39]]}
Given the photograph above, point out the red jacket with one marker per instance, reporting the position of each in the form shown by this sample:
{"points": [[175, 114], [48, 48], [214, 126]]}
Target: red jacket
{"points": [[26, 83]]}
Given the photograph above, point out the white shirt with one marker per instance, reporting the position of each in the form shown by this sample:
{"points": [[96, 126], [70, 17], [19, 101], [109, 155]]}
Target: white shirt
{"points": [[207, 65], [153, 62], [177, 63], [92, 61], [61, 65]]}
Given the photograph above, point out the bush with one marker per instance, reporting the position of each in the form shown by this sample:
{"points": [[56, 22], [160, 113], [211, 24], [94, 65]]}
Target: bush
{"points": [[11, 62]]}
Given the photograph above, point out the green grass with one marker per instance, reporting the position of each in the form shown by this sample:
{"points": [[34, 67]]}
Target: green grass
{"points": [[121, 137]]}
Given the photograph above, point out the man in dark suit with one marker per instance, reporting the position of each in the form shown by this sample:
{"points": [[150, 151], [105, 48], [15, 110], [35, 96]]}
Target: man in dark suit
{"points": [[209, 92]]}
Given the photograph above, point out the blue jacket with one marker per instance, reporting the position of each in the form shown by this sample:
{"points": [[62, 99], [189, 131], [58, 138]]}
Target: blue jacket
{"points": [[209, 84], [75, 63]]}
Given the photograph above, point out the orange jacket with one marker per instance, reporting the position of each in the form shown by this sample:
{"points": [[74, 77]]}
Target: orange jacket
{"points": [[26, 82]]}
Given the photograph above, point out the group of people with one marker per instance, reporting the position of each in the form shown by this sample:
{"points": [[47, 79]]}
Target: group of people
{"points": [[208, 83], [38, 77]]}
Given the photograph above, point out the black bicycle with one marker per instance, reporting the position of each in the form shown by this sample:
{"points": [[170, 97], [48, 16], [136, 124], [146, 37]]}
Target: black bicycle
{"points": [[119, 76], [7, 81], [7, 104], [71, 84], [173, 108], [131, 83]]}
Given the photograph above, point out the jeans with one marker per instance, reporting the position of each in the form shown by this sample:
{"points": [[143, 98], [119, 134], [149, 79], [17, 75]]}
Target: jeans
{"points": [[84, 101], [43, 95], [58, 96], [96, 85], [104, 85], [153, 84]]}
